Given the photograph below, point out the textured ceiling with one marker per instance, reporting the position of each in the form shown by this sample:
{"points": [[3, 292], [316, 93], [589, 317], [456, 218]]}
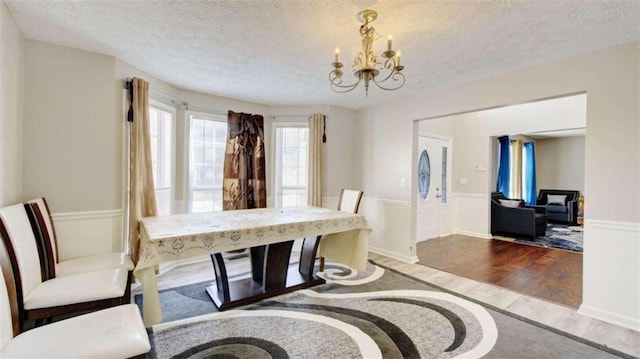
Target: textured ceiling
{"points": [[280, 52]]}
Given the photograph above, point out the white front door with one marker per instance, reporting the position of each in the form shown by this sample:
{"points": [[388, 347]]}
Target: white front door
{"points": [[434, 159]]}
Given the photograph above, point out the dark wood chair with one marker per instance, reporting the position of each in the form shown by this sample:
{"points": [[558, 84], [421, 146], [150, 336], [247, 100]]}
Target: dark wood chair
{"points": [[40, 298], [110, 333], [42, 223]]}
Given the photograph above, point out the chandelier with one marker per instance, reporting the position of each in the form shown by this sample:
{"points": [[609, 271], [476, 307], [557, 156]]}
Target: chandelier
{"points": [[366, 67]]}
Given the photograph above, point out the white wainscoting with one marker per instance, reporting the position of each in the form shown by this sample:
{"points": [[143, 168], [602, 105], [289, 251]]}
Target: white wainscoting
{"points": [[611, 277], [470, 212], [86, 233], [391, 224]]}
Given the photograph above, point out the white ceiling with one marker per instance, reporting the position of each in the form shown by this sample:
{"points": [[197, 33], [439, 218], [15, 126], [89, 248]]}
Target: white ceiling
{"points": [[279, 52]]}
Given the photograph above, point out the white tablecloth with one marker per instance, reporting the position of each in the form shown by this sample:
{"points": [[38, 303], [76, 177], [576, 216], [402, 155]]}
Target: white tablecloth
{"points": [[168, 238]]}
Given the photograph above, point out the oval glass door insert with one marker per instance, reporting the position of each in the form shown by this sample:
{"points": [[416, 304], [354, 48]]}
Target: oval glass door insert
{"points": [[424, 174]]}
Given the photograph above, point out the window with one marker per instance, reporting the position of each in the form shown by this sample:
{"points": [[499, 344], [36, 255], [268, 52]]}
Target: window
{"points": [[161, 134], [292, 148], [207, 142]]}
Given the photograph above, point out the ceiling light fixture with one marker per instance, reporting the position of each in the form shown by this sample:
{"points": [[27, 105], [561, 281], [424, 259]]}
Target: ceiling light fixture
{"points": [[366, 65]]}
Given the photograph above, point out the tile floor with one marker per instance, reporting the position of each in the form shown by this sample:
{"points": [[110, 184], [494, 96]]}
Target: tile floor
{"points": [[559, 317]]}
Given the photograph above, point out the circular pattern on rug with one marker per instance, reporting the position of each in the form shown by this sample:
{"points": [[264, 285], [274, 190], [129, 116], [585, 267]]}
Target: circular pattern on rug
{"points": [[382, 324], [298, 335], [341, 274]]}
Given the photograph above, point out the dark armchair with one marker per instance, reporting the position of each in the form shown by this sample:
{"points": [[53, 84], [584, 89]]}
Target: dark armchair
{"points": [[513, 218], [562, 205]]}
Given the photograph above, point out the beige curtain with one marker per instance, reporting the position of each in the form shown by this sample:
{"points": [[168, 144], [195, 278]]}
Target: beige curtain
{"points": [[142, 199], [516, 170], [316, 138]]}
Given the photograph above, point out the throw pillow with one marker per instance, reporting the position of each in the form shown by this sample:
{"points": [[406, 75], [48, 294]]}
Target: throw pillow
{"points": [[513, 203], [557, 200]]}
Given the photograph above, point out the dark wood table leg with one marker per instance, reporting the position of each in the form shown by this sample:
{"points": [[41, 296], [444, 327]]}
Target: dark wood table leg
{"points": [[256, 254], [308, 256], [222, 280], [271, 274], [276, 265]]}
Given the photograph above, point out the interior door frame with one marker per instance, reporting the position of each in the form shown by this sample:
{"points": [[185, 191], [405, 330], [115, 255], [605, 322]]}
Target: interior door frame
{"points": [[414, 178]]}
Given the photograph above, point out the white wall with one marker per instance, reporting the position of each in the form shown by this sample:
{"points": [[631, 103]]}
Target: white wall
{"points": [[11, 98], [610, 79], [560, 163]]}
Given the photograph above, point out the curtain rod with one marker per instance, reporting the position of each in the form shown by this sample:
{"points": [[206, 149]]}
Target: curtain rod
{"points": [[180, 103]]}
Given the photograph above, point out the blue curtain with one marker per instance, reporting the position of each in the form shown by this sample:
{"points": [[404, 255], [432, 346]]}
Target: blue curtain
{"points": [[530, 190], [503, 166]]}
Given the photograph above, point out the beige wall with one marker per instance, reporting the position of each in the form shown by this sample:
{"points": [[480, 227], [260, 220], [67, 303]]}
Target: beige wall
{"points": [[11, 97], [340, 162], [71, 129], [610, 78], [560, 163]]}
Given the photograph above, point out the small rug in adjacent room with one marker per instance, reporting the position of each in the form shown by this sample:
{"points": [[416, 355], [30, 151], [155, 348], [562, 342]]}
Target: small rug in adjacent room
{"points": [[376, 314], [557, 236]]}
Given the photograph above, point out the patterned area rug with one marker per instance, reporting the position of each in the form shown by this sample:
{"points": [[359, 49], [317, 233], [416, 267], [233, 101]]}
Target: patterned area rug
{"points": [[557, 236], [376, 314]]}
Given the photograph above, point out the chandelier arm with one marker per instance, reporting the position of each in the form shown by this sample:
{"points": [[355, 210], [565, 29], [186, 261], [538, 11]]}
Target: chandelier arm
{"points": [[396, 76], [390, 66], [337, 86]]}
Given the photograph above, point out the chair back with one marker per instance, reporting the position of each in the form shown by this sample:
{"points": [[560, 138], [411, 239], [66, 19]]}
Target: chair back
{"points": [[46, 224], [349, 200], [18, 237], [9, 315], [46, 243]]}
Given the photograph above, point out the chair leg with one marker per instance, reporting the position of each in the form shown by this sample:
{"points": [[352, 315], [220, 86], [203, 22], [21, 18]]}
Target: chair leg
{"points": [[321, 264]]}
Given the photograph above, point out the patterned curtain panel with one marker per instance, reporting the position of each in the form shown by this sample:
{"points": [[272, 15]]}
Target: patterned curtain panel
{"points": [[142, 199], [244, 183], [316, 138]]}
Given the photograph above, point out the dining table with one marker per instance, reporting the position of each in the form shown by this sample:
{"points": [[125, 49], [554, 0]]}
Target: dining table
{"points": [[268, 233]]}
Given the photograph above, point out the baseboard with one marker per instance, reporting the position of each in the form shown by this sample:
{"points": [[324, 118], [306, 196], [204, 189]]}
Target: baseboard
{"points": [[473, 234], [407, 259], [627, 322]]}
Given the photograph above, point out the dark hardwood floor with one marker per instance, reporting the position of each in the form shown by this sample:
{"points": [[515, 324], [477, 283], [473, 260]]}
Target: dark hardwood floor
{"points": [[549, 274]]}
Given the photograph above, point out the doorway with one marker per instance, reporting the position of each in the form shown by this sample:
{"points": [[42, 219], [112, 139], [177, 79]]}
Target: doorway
{"points": [[433, 181]]}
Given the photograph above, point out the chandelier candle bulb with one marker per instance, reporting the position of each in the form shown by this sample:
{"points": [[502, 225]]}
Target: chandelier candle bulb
{"points": [[389, 40], [337, 55], [398, 58]]}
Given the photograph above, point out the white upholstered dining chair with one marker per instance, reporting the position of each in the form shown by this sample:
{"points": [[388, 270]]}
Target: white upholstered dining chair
{"points": [[116, 332], [42, 298], [349, 201], [43, 226]]}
